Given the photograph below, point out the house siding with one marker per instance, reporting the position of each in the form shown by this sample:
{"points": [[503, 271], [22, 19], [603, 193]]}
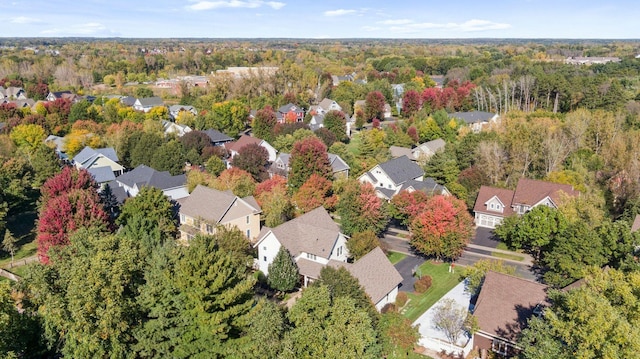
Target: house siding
{"points": [[267, 249], [389, 298]]}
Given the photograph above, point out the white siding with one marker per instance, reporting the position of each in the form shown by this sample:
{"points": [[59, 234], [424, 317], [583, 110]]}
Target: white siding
{"points": [[340, 254], [267, 250], [389, 298]]}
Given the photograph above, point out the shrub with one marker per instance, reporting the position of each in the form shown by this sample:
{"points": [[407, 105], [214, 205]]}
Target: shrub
{"points": [[422, 284], [389, 308], [401, 299]]}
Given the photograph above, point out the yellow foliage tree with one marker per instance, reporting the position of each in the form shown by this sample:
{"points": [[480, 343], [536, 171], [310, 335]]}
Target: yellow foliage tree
{"points": [[157, 113], [28, 136]]}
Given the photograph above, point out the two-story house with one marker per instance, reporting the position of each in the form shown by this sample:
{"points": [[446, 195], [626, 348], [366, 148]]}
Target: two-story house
{"points": [[147, 103], [91, 159], [494, 204], [235, 147], [313, 239], [476, 120], [206, 209], [395, 175], [339, 167], [174, 187], [290, 113], [174, 110], [217, 138]]}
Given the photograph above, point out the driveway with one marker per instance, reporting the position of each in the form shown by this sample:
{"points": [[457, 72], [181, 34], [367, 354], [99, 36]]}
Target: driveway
{"points": [[484, 237], [406, 269]]}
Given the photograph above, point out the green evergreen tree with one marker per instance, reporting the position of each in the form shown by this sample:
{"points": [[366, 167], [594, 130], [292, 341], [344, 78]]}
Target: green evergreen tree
{"points": [[283, 272]]}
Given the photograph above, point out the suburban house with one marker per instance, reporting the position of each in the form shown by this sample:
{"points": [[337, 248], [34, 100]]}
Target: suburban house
{"points": [[90, 158], [476, 119], [338, 165], [147, 103], [52, 96], [386, 113], [439, 80], [235, 147], [12, 93], [174, 187], [336, 80], [128, 100], [422, 152], [376, 275], [502, 309], [290, 113], [174, 110], [395, 175], [172, 128], [590, 60], [207, 208], [313, 239], [318, 112], [217, 138], [494, 204]]}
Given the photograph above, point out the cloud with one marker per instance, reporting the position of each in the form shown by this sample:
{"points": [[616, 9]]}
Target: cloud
{"points": [[339, 12], [249, 4], [467, 26], [396, 22], [24, 20], [87, 29], [370, 28]]}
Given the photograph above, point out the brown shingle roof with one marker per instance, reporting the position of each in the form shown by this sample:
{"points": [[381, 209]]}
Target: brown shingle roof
{"points": [[636, 224], [375, 273], [314, 232], [530, 191], [506, 303], [210, 204], [486, 193], [241, 142]]}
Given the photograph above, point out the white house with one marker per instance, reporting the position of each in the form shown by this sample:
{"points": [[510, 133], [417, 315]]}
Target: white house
{"points": [[175, 128], [174, 187], [476, 119], [147, 103], [313, 239], [90, 158]]}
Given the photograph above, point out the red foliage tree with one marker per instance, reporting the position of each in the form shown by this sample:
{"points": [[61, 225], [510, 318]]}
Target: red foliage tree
{"points": [[443, 229], [407, 205], [315, 192], [411, 103], [275, 182], [455, 96], [240, 182], [253, 158], [412, 132], [88, 125], [195, 140], [66, 213], [376, 123], [264, 124], [308, 156], [374, 105], [61, 106], [68, 179]]}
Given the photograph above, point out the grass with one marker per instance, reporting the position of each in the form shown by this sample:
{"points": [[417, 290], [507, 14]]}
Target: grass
{"points": [[395, 257], [502, 246], [354, 145], [443, 282], [26, 250], [507, 256]]}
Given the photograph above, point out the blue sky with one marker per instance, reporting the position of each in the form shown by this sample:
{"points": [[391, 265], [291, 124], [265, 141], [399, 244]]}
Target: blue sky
{"points": [[618, 19]]}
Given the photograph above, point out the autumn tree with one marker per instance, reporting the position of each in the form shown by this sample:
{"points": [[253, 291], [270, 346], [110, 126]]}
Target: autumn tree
{"points": [[360, 209], [315, 192], [308, 157], [411, 103], [405, 205], [362, 243], [374, 105], [253, 158], [443, 229], [264, 123], [29, 137], [68, 179], [240, 182], [283, 272], [336, 122], [230, 117]]}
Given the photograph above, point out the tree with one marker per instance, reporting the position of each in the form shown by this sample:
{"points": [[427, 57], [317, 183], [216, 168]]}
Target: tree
{"points": [[20, 330], [327, 137], [411, 103], [283, 272], [315, 192], [29, 136], [397, 336], [276, 206], [195, 140], [10, 244], [253, 158], [308, 157], [475, 273], [45, 163], [264, 123], [362, 243], [443, 229], [450, 318], [360, 209], [405, 206], [230, 117], [342, 284], [170, 157], [215, 165], [240, 182], [374, 105], [265, 332], [336, 122], [68, 179]]}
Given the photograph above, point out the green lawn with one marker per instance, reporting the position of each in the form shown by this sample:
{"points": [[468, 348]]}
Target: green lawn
{"points": [[502, 246], [507, 256], [26, 250], [354, 144], [395, 257], [443, 282]]}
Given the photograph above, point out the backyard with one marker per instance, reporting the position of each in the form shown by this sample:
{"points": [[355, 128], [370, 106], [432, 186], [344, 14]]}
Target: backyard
{"points": [[442, 282]]}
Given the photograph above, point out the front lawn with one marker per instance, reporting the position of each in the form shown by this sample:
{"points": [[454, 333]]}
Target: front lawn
{"points": [[442, 282], [26, 250], [395, 257]]}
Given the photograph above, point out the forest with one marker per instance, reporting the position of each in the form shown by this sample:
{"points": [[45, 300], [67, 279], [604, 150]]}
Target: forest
{"points": [[111, 280]]}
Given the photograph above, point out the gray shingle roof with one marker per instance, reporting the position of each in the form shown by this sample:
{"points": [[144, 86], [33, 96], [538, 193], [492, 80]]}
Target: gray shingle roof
{"points": [[428, 185], [314, 232], [88, 155], [473, 116], [217, 136], [397, 151], [337, 163], [151, 101], [102, 174], [434, 145], [147, 176], [401, 169], [211, 205]]}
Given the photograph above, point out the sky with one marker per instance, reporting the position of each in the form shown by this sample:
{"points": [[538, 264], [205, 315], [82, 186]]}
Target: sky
{"points": [[560, 19]]}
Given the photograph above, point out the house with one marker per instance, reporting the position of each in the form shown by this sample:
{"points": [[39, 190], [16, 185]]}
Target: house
{"points": [[386, 113], [57, 143], [128, 100], [397, 151], [395, 175], [504, 305], [476, 119], [175, 128], [376, 275], [52, 96], [217, 138], [494, 204], [207, 208], [338, 165], [422, 152], [174, 110], [12, 93], [24, 103], [636, 224], [235, 147], [174, 187], [102, 175], [327, 105], [313, 239], [102, 157], [336, 80], [290, 113], [147, 103]]}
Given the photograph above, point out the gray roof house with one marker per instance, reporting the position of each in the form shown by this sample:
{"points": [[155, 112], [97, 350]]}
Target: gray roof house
{"points": [[175, 128], [391, 177], [174, 110], [206, 209], [102, 174], [340, 168], [296, 112], [217, 138], [147, 103], [476, 119], [174, 187], [426, 150], [101, 157]]}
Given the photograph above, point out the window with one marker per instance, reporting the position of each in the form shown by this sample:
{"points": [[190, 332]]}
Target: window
{"points": [[182, 218], [209, 228], [339, 251], [264, 247], [247, 219], [248, 233], [265, 258], [492, 206], [311, 256], [196, 223]]}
